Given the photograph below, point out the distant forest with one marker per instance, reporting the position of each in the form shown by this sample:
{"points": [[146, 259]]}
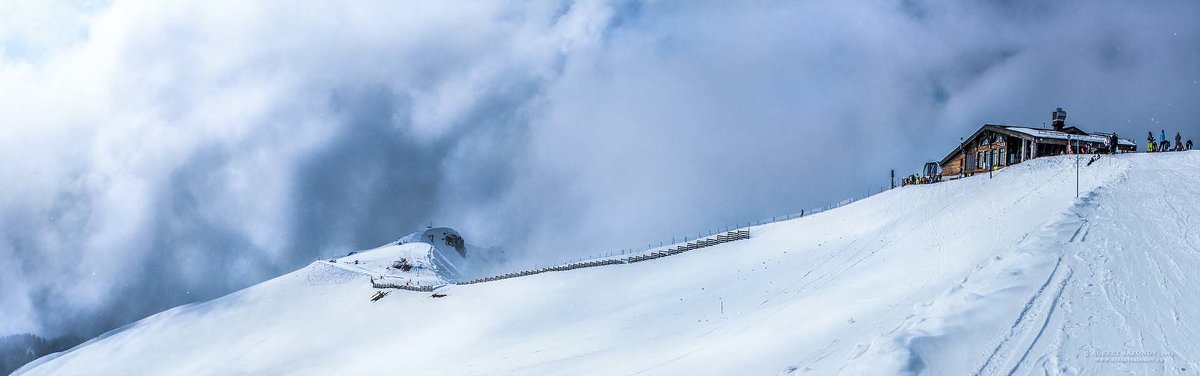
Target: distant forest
{"points": [[18, 350]]}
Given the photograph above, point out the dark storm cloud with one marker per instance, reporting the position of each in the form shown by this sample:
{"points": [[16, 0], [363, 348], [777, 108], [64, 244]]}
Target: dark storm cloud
{"points": [[175, 153], [178, 156]]}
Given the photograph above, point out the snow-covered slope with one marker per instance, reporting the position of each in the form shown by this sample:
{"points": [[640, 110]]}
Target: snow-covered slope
{"points": [[991, 276]]}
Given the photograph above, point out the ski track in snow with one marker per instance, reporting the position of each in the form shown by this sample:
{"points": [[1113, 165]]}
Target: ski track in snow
{"points": [[1040, 306], [1137, 289]]}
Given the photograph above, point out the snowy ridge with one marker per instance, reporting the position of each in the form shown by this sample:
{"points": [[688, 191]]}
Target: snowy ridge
{"points": [[1009, 275], [444, 272], [651, 252]]}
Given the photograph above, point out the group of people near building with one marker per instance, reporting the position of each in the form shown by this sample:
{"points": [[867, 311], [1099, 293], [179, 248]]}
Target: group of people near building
{"points": [[1165, 145], [917, 179]]}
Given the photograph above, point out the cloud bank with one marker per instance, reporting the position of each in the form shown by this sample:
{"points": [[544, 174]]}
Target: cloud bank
{"points": [[157, 154]]}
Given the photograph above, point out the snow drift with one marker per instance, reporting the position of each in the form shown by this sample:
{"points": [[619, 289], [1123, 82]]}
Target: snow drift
{"points": [[1008, 275]]}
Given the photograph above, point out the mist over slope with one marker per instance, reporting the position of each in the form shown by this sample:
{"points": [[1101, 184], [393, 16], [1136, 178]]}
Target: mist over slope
{"points": [[1009, 274]]}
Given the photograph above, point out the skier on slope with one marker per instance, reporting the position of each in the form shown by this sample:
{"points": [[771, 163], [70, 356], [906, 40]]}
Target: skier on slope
{"points": [[1178, 143], [1150, 142], [1189, 144]]}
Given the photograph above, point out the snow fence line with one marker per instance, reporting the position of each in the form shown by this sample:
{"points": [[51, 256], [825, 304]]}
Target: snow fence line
{"points": [[696, 244], [379, 284]]}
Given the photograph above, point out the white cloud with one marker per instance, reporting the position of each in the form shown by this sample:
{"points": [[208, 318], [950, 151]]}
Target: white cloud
{"points": [[176, 147]]}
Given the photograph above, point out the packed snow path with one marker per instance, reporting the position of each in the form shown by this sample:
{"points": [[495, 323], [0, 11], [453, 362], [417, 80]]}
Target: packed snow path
{"points": [[1009, 275]]}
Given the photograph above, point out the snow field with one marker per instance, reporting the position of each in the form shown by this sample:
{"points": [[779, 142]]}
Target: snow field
{"points": [[975, 276]]}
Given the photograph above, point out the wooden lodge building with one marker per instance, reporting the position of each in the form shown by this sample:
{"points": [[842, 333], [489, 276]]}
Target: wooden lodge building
{"points": [[996, 146]]}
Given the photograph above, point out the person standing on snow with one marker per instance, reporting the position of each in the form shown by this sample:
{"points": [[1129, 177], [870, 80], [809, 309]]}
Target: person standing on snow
{"points": [[1150, 142], [1178, 143], [1112, 143]]}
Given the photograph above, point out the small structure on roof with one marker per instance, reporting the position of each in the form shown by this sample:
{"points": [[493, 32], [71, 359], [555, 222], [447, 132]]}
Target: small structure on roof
{"points": [[995, 146]]}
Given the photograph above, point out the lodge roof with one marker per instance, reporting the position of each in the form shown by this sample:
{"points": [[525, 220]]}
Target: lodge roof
{"points": [[1052, 134], [1034, 134]]}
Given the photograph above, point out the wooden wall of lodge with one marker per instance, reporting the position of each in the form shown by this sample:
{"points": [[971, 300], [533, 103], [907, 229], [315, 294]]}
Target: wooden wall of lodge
{"points": [[955, 166], [980, 154]]}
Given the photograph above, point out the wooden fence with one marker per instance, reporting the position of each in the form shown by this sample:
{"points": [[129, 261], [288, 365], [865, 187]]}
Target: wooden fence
{"points": [[697, 244], [381, 284]]}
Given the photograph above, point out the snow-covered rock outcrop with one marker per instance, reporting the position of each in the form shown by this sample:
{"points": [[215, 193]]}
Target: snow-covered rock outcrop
{"points": [[427, 258]]}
